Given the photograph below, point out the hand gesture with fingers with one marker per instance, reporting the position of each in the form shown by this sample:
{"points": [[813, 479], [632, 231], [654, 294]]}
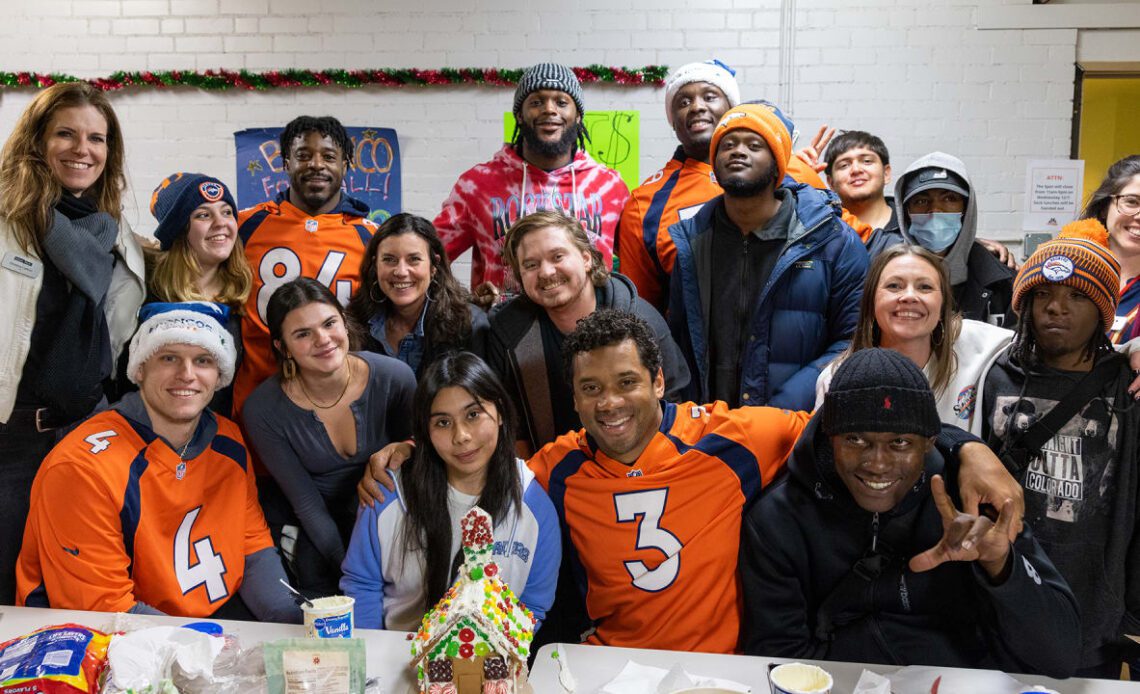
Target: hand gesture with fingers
{"points": [[811, 154], [967, 537], [984, 481]]}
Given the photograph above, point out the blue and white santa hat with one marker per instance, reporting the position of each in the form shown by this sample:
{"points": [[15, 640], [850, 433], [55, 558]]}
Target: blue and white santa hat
{"points": [[199, 323]]}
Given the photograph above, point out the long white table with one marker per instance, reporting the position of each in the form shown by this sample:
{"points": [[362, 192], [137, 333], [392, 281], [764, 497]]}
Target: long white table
{"points": [[594, 666], [388, 652]]}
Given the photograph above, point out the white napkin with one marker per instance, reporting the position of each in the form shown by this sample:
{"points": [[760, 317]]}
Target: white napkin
{"points": [[147, 657], [645, 679], [871, 683], [918, 679]]}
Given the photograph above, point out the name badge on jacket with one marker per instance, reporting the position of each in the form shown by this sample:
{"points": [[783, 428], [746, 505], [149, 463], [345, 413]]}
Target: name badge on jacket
{"points": [[28, 267]]}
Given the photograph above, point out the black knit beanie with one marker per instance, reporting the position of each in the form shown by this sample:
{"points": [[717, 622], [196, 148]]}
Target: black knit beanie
{"points": [[880, 390]]}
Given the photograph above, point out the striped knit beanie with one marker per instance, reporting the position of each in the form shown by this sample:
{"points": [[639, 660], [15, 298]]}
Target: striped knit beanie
{"points": [[763, 120], [549, 76], [1078, 258]]}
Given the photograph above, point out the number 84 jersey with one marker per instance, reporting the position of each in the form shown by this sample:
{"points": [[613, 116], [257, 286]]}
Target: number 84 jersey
{"points": [[118, 518], [654, 544], [281, 244]]}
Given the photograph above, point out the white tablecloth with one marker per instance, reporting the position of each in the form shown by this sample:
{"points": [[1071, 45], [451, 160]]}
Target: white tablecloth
{"points": [[388, 655], [594, 666], [388, 652]]}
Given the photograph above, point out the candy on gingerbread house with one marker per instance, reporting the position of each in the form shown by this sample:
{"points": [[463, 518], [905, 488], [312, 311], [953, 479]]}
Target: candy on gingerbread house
{"points": [[477, 637]]}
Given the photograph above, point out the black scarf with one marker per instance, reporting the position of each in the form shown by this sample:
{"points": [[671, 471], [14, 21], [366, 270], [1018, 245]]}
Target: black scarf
{"points": [[75, 206], [72, 370]]}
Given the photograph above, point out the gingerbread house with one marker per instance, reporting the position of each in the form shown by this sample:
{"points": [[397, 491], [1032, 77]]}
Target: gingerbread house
{"points": [[477, 637]]}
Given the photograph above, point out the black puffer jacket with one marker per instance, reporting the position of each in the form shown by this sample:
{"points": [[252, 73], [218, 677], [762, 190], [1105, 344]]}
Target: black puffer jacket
{"points": [[803, 538]]}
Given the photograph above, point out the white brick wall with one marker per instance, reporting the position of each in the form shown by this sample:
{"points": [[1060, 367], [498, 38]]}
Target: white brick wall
{"points": [[920, 75]]}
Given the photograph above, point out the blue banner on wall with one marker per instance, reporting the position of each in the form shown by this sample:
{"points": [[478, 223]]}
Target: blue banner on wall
{"points": [[373, 178]]}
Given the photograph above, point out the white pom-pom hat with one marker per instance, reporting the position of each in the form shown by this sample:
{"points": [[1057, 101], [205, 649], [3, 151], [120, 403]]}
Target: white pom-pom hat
{"points": [[714, 72], [188, 323]]}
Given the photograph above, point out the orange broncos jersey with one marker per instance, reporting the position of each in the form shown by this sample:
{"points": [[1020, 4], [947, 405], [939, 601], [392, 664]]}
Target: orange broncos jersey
{"points": [[116, 519], [283, 243], [655, 543], [677, 192]]}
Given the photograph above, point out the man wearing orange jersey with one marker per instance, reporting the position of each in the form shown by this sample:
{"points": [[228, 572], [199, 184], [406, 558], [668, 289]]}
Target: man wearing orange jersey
{"points": [[313, 229], [696, 96], [650, 494], [150, 507]]}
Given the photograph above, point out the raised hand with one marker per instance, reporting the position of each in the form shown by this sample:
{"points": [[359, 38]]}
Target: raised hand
{"points": [[967, 537], [982, 479], [811, 154]]}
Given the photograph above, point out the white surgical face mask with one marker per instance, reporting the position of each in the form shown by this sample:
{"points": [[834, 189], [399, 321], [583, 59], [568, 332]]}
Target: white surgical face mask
{"points": [[935, 231]]}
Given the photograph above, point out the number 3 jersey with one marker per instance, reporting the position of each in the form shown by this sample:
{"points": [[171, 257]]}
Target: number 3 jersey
{"points": [[117, 518], [283, 243], [654, 544]]}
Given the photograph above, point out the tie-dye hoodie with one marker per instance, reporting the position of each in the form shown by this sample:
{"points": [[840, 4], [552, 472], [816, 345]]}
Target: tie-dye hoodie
{"points": [[489, 197]]}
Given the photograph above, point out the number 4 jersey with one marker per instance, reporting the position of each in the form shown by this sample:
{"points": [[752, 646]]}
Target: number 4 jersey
{"points": [[117, 518], [655, 543], [283, 243]]}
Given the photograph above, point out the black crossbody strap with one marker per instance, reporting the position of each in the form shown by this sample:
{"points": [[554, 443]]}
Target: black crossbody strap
{"points": [[1085, 390]]}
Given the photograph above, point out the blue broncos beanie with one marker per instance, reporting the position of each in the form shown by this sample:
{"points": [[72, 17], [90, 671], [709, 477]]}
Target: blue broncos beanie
{"points": [[178, 196]]}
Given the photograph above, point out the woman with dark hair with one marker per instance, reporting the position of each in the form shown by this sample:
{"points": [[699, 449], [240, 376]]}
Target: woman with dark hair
{"points": [[315, 424], [405, 550], [413, 307], [1116, 204], [72, 283], [908, 306]]}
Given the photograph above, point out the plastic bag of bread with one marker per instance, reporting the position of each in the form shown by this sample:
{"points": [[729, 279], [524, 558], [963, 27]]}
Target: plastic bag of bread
{"points": [[62, 659]]}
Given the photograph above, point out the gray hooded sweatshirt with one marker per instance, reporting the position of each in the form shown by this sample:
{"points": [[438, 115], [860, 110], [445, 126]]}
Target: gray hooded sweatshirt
{"points": [[983, 286]]}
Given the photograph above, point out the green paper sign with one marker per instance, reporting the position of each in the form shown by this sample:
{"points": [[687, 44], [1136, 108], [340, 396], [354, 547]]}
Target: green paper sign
{"points": [[614, 140]]}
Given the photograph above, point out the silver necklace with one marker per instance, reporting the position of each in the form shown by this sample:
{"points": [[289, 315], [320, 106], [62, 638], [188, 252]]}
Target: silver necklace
{"points": [[180, 471]]}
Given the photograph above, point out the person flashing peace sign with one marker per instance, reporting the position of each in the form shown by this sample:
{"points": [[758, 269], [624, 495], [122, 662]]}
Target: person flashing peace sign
{"points": [[893, 571]]}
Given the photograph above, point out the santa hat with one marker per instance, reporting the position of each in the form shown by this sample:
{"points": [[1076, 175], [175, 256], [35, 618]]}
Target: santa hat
{"points": [[198, 323]]}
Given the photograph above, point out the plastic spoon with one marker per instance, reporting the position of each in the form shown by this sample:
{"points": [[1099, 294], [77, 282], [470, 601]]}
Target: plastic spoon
{"points": [[302, 600]]}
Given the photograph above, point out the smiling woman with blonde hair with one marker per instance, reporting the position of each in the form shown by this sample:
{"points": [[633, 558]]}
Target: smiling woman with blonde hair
{"points": [[908, 306], [199, 257], [72, 283]]}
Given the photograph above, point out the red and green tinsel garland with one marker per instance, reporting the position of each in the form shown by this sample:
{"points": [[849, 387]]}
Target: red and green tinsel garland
{"points": [[351, 79]]}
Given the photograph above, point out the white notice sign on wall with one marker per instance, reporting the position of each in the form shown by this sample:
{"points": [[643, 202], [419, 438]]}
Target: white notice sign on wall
{"points": [[1052, 193]]}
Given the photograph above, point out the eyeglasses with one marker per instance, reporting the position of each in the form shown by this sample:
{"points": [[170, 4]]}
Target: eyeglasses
{"points": [[1127, 204]]}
